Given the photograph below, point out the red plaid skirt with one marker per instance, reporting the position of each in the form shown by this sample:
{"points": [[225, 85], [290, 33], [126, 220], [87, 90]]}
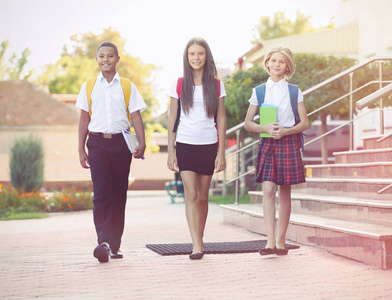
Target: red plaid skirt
{"points": [[280, 161]]}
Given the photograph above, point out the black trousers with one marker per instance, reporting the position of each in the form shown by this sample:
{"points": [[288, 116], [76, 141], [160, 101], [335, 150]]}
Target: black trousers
{"points": [[110, 161]]}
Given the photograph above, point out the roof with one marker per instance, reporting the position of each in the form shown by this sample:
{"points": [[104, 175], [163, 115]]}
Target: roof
{"points": [[341, 41], [24, 104]]}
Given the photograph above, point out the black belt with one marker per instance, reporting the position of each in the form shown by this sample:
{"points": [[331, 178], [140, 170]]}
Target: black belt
{"points": [[106, 135]]}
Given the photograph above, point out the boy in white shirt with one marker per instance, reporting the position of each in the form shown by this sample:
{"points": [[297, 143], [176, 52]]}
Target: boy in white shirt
{"points": [[108, 156]]}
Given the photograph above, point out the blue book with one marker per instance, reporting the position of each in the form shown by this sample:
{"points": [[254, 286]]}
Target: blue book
{"points": [[131, 140]]}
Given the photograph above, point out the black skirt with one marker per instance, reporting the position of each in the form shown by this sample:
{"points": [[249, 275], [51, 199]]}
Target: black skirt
{"points": [[196, 158]]}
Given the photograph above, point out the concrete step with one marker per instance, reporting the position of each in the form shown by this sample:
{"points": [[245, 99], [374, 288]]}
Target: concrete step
{"points": [[363, 156], [341, 208], [368, 243], [364, 188], [353, 170], [371, 142]]}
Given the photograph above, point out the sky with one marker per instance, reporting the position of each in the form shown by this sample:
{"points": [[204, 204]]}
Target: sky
{"points": [[156, 31]]}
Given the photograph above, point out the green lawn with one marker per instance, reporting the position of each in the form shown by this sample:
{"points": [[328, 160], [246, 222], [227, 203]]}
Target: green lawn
{"points": [[24, 216], [228, 199]]}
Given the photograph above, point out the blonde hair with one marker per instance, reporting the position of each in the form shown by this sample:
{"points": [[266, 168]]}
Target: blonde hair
{"points": [[289, 60]]}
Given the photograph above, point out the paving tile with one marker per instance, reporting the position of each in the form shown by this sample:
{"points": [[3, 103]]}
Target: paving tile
{"points": [[52, 258]]}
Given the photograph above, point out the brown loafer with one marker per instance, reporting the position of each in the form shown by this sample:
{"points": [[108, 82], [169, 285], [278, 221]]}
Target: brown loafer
{"points": [[197, 255], [283, 251], [267, 251]]}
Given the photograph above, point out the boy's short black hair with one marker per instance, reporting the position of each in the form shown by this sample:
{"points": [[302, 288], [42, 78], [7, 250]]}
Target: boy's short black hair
{"points": [[108, 44]]}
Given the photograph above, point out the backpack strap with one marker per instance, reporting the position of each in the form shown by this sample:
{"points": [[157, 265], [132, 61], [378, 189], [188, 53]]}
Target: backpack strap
{"points": [[293, 91], [217, 82], [179, 87], [260, 94], [126, 87], [89, 89]]}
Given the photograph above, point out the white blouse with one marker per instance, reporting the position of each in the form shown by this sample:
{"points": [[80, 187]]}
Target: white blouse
{"points": [[277, 93], [196, 128]]}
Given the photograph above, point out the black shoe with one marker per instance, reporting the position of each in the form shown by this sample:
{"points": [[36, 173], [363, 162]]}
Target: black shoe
{"points": [[101, 252], [116, 254], [197, 255], [267, 251], [283, 251]]}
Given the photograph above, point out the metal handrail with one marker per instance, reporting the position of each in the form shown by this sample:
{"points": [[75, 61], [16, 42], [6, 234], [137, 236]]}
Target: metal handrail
{"points": [[384, 137], [345, 124], [345, 73], [348, 94], [243, 148], [349, 72], [319, 137], [384, 189], [242, 175], [370, 99]]}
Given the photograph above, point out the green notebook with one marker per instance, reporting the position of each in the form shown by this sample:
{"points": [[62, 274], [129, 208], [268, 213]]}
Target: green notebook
{"points": [[268, 114]]}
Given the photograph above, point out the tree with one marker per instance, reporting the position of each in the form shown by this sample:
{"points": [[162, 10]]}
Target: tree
{"points": [[313, 69], [281, 26], [78, 65], [27, 164], [68, 74], [239, 90], [14, 69], [3, 49], [151, 128]]}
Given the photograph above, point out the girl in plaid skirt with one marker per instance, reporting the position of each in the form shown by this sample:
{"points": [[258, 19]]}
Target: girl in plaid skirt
{"points": [[279, 160]]}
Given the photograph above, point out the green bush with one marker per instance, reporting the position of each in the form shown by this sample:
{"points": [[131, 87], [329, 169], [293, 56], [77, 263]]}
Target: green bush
{"points": [[13, 203], [27, 164], [21, 205], [70, 201]]}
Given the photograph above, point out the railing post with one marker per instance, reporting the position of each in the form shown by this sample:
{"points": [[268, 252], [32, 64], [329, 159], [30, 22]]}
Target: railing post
{"points": [[381, 103], [224, 188], [351, 112], [242, 171], [237, 182]]}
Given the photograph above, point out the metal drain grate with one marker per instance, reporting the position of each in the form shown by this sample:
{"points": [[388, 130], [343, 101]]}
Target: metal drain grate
{"points": [[212, 248]]}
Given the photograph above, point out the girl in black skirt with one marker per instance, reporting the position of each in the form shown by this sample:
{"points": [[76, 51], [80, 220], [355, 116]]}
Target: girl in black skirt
{"points": [[279, 161], [193, 146]]}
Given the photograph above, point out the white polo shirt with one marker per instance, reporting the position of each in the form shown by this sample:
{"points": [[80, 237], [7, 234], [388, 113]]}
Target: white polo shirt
{"points": [[277, 93], [108, 105]]}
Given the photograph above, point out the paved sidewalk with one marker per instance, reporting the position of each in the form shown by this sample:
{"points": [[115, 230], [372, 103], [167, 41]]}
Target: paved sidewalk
{"points": [[52, 259]]}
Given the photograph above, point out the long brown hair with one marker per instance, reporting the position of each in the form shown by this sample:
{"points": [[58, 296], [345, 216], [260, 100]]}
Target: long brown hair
{"points": [[210, 93]]}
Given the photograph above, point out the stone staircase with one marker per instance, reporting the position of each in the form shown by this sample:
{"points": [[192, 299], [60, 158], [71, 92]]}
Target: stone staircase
{"points": [[339, 208]]}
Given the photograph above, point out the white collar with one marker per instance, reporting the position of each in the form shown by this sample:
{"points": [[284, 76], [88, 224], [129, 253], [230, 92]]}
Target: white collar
{"points": [[116, 77], [280, 84]]}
